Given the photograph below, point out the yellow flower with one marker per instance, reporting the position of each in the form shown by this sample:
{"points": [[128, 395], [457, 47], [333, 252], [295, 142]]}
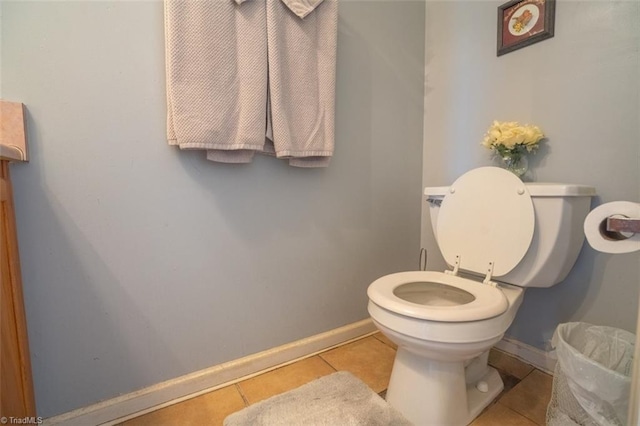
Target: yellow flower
{"points": [[534, 134], [510, 136], [515, 136], [487, 142]]}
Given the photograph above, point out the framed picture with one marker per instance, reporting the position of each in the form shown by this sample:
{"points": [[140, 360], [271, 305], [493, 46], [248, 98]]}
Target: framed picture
{"points": [[524, 22]]}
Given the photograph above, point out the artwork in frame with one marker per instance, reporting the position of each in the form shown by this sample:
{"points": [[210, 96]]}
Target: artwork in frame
{"points": [[524, 22]]}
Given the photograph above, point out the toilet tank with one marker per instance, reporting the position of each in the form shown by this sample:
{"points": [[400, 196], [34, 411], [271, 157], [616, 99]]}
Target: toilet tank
{"points": [[560, 210]]}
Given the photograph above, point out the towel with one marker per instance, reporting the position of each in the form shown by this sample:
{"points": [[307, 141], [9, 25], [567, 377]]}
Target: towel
{"points": [[216, 55], [302, 58], [251, 76], [300, 7]]}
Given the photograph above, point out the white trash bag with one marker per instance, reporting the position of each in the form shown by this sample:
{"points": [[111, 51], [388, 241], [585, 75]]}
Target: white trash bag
{"points": [[592, 380]]}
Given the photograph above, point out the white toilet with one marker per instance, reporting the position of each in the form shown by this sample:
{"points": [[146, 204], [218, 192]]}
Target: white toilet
{"points": [[499, 235]]}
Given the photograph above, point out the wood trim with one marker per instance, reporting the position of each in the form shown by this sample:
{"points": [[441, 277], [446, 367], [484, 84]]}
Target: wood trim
{"points": [[16, 383], [4, 190]]}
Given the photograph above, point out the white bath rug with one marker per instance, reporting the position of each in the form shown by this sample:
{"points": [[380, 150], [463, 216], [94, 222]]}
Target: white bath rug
{"points": [[337, 399]]}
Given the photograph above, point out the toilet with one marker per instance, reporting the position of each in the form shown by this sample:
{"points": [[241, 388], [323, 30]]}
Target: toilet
{"points": [[498, 236]]}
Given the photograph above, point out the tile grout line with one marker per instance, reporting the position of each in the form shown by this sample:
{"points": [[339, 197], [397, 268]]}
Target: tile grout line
{"points": [[327, 362], [242, 395], [529, 418], [522, 414], [519, 414], [380, 340]]}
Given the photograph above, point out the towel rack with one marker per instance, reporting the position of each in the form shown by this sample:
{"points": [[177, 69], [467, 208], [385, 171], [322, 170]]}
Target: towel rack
{"points": [[623, 224]]}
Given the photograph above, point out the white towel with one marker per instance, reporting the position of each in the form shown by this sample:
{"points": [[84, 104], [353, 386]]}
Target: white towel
{"points": [[217, 88]]}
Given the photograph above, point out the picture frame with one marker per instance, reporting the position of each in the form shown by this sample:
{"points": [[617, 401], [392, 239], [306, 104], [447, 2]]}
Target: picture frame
{"points": [[524, 22]]}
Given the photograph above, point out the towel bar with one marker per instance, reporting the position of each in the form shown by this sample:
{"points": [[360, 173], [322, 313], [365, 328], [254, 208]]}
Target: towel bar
{"points": [[623, 224]]}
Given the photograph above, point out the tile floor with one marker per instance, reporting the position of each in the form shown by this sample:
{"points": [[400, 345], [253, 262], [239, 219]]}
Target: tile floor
{"points": [[522, 403]]}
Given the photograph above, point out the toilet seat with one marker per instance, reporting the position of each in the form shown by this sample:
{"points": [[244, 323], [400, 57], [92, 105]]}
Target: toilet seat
{"points": [[488, 301], [475, 234], [478, 234]]}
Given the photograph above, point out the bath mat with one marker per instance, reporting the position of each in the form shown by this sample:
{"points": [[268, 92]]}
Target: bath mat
{"points": [[337, 399]]}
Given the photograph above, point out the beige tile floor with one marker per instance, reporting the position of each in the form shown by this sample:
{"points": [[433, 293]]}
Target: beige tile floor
{"points": [[522, 403]]}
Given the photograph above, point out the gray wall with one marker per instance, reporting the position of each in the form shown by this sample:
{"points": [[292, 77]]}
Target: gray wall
{"points": [[142, 263], [582, 88]]}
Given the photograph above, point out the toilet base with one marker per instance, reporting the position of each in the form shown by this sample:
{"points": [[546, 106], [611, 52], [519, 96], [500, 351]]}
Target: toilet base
{"points": [[477, 400], [429, 392]]}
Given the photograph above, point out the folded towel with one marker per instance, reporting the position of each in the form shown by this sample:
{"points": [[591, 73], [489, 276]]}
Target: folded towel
{"points": [[300, 7], [216, 57], [302, 58]]}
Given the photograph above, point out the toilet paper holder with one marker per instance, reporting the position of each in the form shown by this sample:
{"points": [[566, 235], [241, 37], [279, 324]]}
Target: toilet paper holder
{"points": [[623, 224]]}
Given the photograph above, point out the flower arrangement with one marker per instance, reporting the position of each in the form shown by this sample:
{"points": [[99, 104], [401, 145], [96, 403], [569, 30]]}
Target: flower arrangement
{"points": [[511, 141]]}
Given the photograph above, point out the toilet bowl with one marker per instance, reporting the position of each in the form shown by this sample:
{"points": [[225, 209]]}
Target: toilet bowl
{"points": [[499, 236], [431, 382]]}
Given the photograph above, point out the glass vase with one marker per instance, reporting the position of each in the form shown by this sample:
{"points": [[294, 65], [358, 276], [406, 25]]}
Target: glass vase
{"points": [[516, 163]]}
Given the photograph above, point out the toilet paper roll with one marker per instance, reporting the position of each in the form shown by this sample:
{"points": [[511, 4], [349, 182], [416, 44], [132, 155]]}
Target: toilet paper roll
{"points": [[595, 228]]}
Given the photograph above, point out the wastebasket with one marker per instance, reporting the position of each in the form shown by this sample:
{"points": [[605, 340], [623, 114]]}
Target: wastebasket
{"points": [[592, 379]]}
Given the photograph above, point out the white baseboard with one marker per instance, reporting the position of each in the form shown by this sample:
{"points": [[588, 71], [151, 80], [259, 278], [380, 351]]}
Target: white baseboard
{"points": [[191, 385], [542, 360]]}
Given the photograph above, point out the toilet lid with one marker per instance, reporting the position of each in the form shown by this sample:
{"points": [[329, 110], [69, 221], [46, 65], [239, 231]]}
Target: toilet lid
{"points": [[486, 218]]}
